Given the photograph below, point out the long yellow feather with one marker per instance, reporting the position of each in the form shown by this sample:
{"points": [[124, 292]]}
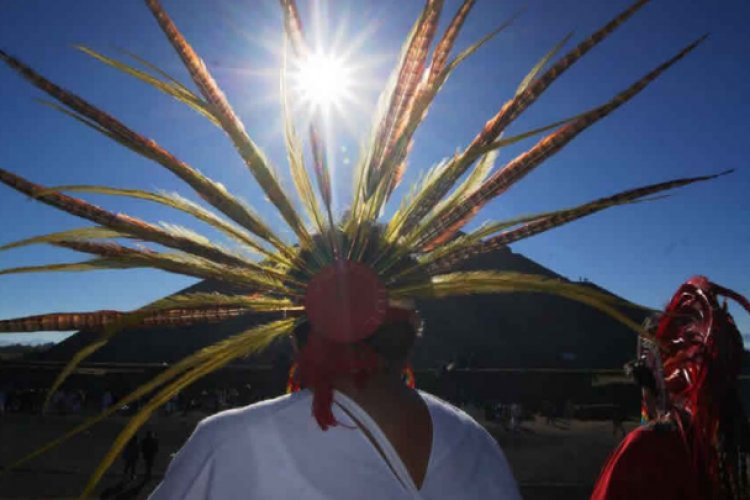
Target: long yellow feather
{"points": [[174, 370], [86, 233], [295, 154], [254, 158], [488, 282], [177, 202], [252, 341], [179, 92], [87, 265]]}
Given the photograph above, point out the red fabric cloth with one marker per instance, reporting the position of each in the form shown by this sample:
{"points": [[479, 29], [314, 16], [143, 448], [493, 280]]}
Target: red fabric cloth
{"points": [[651, 462], [322, 361]]}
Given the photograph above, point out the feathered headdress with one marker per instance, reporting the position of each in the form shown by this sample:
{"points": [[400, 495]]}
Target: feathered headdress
{"points": [[409, 257], [701, 353]]}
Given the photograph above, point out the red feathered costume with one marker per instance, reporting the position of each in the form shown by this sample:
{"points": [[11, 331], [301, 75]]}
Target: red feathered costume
{"points": [[696, 449], [652, 462]]}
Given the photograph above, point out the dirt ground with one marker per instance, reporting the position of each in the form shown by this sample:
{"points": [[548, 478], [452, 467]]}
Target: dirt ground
{"points": [[558, 461]]}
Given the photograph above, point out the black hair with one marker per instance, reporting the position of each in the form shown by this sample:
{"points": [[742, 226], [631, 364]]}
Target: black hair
{"points": [[642, 375], [392, 341]]}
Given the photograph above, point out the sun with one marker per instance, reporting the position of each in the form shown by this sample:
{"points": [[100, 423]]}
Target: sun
{"points": [[323, 81]]}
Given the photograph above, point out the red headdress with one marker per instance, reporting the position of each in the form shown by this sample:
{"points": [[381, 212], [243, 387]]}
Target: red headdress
{"points": [[701, 353], [345, 303]]}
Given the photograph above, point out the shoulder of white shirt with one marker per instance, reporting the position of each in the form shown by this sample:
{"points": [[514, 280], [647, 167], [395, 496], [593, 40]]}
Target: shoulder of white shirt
{"points": [[445, 410], [456, 426], [237, 422], [233, 424]]}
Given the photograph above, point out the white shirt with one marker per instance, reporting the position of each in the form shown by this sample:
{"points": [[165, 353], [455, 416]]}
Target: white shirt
{"points": [[275, 450]]}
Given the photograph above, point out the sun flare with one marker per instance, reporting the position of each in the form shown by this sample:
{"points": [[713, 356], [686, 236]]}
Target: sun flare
{"points": [[323, 81]]}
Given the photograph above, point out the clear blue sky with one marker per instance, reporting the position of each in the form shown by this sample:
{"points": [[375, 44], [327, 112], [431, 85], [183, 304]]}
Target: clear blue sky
{"points": [[692, 121]]}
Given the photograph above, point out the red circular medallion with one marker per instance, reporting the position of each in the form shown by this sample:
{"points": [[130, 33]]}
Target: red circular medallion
{"points": [[346, 301]]}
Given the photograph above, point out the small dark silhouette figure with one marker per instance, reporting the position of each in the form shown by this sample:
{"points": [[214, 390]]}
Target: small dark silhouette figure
{"points": [[130, 456], [548, 411], [617, 422], [149, 449]]}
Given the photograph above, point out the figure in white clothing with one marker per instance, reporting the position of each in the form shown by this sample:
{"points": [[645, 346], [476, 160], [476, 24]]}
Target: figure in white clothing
{"points": [[371, 435], [368, 423]]}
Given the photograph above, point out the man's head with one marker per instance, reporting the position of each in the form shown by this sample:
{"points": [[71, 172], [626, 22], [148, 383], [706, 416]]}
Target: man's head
{"points": [[347, 302], [646, 371], [352, 328], [642, 375], [393, 340], [644, 378]]}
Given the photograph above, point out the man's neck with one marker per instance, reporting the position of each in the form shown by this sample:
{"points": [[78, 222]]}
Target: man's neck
{"points": [[402, 416], [381, 389]]}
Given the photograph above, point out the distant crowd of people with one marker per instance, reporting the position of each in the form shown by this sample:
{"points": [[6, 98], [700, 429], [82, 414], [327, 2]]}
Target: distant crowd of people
{"points": [[509, 416], [31, 400], [78, 401]]}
